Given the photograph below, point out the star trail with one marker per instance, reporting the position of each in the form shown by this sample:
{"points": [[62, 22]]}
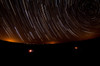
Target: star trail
{"points": [[49, 21]]}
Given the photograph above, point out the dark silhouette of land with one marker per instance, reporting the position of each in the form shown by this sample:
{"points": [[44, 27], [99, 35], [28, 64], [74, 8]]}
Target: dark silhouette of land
{"points": [[84, 48]]}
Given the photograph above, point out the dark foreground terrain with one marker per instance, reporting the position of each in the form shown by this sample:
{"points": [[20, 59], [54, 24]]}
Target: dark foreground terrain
{"points": [[80, 48]]}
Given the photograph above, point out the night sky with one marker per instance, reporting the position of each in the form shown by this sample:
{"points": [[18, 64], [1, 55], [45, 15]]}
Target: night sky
{"points": [[44, 27], [49, 21]]}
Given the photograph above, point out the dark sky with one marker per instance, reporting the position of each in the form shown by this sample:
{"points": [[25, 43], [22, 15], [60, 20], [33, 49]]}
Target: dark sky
{"points": [[49, 21]]}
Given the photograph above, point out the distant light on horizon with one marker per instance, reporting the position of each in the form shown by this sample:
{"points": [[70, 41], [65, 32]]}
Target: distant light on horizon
{"points": [[76, 48], [30, 50]]}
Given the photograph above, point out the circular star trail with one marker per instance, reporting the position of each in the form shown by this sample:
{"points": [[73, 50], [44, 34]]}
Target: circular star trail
{"points": [[49, 21]]}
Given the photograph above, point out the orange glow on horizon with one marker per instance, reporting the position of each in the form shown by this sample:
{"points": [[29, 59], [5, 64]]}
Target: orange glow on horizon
{"points": [[52, 42], [10, 40]]}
